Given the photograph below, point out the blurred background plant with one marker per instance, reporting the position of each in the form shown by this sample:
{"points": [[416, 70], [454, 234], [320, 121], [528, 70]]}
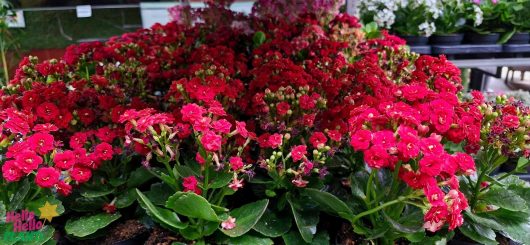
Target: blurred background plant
{"points": [[6, 38]]}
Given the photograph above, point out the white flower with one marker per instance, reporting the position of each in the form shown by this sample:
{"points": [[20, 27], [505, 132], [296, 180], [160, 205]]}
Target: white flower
{"points": [[478, 15], [427, 28]]}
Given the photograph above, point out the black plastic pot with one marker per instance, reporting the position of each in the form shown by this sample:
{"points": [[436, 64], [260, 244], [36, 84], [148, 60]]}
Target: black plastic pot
{"points": [[447, 39], [477, 38], [415, 40], [519, 38]]}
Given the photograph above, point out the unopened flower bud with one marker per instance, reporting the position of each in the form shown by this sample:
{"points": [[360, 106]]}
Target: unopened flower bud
{"points": [[287, 136]]}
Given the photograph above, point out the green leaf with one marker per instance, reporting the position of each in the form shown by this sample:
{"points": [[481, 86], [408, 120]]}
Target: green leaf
{"points": [[294, 238], [115, 182], [184, 171], [84, 204], [159, 193], [306, 220], [522, 163], [513, 225], [479, 233], [191, 205], [246, 217], [329, 202], [272, 225], [39, 203], [220, 180], [3, 212], [126, 199], [92, 193], [87, 225], [505, 199], [17, 201], [250, 239], [433, 240], [45, 235], [405, 228], [160, 215], [138, 177], [358, 182], [259, 38]]}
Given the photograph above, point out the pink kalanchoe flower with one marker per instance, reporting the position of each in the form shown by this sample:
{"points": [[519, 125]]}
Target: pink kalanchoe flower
{"points": [[211, 141], [222, 126], [47, 127], [298, 152], [63, 188], [236, 184], [275, 140], [361, 139], [241, 129], [200, 160], [192, 112], [236, 163], [229, 223], [47, 177]]}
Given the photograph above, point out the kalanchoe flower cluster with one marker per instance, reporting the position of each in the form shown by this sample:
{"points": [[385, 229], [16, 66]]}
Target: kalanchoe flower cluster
{"points": [[506, 126], [221, 142], [402, 122]]}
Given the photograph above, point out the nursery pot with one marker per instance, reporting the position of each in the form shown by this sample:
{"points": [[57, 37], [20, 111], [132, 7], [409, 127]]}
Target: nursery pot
{"points": [[519, 38], [477, 38], [415, 40], [447, 39]]}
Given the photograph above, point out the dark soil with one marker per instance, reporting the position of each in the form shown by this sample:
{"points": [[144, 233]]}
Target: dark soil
{"points": [[127, 230], [163, 237], [345, 235]]}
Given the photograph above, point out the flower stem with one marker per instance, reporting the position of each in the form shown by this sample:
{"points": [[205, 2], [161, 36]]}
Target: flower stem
{"points": [[373, 210]]}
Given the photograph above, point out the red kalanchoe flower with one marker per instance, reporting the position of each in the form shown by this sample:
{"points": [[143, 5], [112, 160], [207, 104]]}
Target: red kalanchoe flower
{"points": [[282, 108], [236, 163], [86, 116], [80, 174], [104, 151], [510, 121], [64, 160], [318, 140], [47, 177], [41, 142], [63, 188], [377, 157], [222, 126], [47, 127], [241, 129], [109, 208], [190, 184], [47, 111], [430, 165], [27, 161], [298, 152], [11, 172]]}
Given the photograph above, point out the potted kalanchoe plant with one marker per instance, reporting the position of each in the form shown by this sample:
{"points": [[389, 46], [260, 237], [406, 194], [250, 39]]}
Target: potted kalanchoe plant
{"points": [[449, 23], [411, 20], [483, 21]]}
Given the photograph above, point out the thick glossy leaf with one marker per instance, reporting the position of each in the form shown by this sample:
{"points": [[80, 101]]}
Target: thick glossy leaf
{"points": [[479, 233], [522, 163], [92, 193], [39, 203], [403, 227], [191, 205], [358, 182], [433, 240], [45, 235], [273, 225], [294, 238], [505, 199], [159, 193], [330, 203], [250, 239], [184, 171], [126, 199], [259, 38], [160, 215], [513, 225], [87, 225], [84, 204], [17, 201], [220, 180], [306, 220], [246, 217], [138, 177]]}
